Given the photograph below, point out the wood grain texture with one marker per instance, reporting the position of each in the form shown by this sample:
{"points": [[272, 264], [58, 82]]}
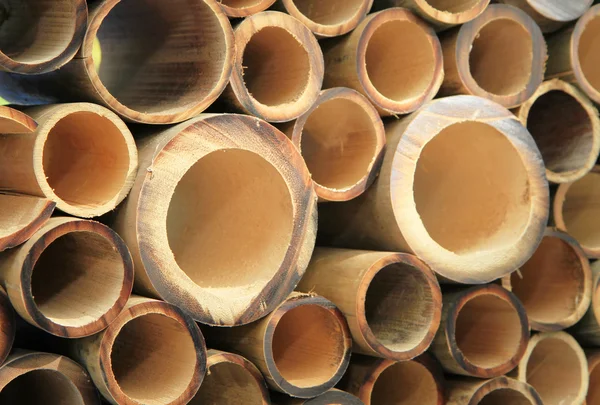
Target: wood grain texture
{"points": [[587, 330], [565, 126], [499, 390], [244, 8], [7, 326], [429, 198], [551, 15], [302, 348], [91, 289], [333, 396], [20, 217]]}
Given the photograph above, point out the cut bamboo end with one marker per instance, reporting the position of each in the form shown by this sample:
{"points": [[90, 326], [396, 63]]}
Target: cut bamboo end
{"points": [[483, 333], [328, 19], [566, 129], [7, 326], [555, 285], [392, 301], [231, 379], [397, 80], [555, 365], [244, 8], [575, 213], [342, 140], [90, 290], [496, 391], [278, 69], [331, 397], [151, 354], [550, 15], [506, 68], [39, 36], [587, 330], [205, 252], [36, 378], [593, 395], [462, 185], [20, 217], [144, 75], [15, 122]]}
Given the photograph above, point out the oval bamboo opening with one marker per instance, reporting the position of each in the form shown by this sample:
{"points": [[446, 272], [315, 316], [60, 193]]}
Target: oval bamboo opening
{"points": [[39, 387], [501, 57], [88, 284], [153, 359], [219, 237], [593, 395], [308, 346], [453, 6], [589, 52], [505, 396], [405, 383], [231, 384], [476, 175], [335, 12]]}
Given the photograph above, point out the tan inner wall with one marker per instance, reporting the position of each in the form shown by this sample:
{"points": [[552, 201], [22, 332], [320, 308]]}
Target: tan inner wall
{"points": [[589, 52], [228, 383], [505, 396], [453, 6], [405, 383], [581, 213], [41, 387], [330, 12]]}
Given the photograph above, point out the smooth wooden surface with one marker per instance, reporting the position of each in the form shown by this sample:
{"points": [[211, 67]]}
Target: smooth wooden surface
{"points": [[20, 217], [551, 15], [593, 395], [587, 330], [499, 390], [244, 8], [15, 122], [7, 326]]}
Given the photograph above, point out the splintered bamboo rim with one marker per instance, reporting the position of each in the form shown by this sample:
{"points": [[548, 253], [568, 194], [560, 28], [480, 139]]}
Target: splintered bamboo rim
{"points": [[153, 354], [328, 18], [399, 79], [342, 141], [39, 36], [278, 67], [8, 323], [84, 159], [584, 52], [452, 12], [244, 8], [398, 306], [566, 129], [504, 390], [555, 285], [162, 62], [555, 365], [307, 346], [501, 55], [593, 394]]}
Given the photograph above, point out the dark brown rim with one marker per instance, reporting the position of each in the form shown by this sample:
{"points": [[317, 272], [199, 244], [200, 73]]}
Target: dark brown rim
{"points": [[334, 397], [38, 219], [505, 383], [11, 118]]}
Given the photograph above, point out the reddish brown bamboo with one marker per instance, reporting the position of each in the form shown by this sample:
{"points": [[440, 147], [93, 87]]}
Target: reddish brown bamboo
{"points": [[244, 8], [593, 395], [587, 330], [551, 15], [7, 326], [497, 391], [331, 397]]}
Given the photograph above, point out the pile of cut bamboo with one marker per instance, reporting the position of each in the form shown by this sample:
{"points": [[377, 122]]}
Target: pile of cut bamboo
{"points": [[167, 168]]}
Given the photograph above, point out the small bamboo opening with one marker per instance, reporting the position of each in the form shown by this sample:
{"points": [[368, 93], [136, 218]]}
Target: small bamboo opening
{"points": [[501, 57], [77, 279], [581, 214], [338, 143], [276, 67], [308, 347], [161, 56], [488, 331], [240, 4], [505, 396], [453, 6], [36, 31], [230, 221], [85, 160], [589, 52], [332, 12], [471, 189], [400, 72], [153, 359], [405, 383], [41, 387], [399, 307], [593, 395], [229, 383]]}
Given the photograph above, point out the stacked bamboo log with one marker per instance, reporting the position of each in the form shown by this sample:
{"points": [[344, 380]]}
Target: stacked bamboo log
{"points": [[319, 202]]}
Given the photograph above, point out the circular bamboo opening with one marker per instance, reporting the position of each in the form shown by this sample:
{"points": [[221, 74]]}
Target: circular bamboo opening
{"points": [[86, 160], [580, 215], [400, 73], [229, 383], [163, 57], [471, 189], [405, 383], [40, 387], [399, 307], [88, 284], [153, 359], [593, 395], [276, 67], [488, 331], [308, 346], [501, 57], [36, 31], [453, 6], [505, 396], [224, 211], [333, 12], [589, 52]]}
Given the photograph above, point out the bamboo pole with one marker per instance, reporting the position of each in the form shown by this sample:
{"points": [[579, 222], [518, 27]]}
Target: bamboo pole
{"points": [[392, 301], [20, 217], [152, 354], [573, 54], [500, 55], [231, 379], [462, 186], [7, 326], [587, 330], [342, 140], [383, 381], [497, 391], [39, 36], [36, 378], [556, 367], [302, 348], [71, 279], [277, 70], [593, 395], [397, 80], [574, 211], [566, 129], [332, 396], [483, 332], [327, 18], [81, 156], [231, 255], [244, 8], [551, 15], [555, 285], [15, 122]]}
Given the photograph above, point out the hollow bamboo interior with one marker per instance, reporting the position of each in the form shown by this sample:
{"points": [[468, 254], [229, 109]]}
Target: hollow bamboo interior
{"points": [[587, 330], [333, 396], [495, 391], [244, 8], [593, 394]]}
